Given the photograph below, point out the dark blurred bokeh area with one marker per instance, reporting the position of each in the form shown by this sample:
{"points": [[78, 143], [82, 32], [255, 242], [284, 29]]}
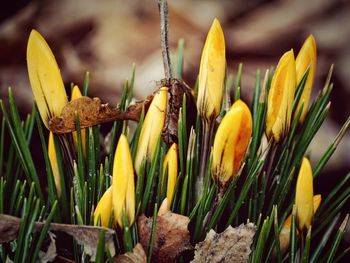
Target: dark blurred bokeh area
{"points": [[107, 36]]}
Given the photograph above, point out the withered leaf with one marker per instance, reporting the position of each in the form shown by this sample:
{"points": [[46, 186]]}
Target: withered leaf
{"points": [[177, 88], [51, 252], [92, 112], [87, 236], [137, 255], [232, 245], [171, 236]]}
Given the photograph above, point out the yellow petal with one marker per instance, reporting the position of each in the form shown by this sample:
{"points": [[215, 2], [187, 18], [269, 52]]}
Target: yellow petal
{"points": [[212, 73], [306, 58], [281, 97], [76, 94], [152, 128], [54, 165], [304, 196], [123, 183], [231, 142], [317, 201], [45, 78], [170, 163], [104, 208]]}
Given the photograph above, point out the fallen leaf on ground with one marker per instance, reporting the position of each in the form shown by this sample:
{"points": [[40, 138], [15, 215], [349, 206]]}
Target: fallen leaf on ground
{"points": [[88, 236], [137, 255], [171, 236], [232, 245]]}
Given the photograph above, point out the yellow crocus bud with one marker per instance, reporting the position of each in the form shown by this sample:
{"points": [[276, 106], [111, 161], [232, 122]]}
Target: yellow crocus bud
{"points": [[45, 78], [285, 232], [151, 128], [54, 166], [170, 163], [231, 142], [304, 196], [76, 94], [281, 97], [104, 208], [123, 186], [306, 58], [212, 73]]}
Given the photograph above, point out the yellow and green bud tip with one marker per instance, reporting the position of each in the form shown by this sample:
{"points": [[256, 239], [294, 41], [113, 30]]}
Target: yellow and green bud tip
{"points": [[45, 78], [304, 196], [231, 142], [212, 73], [151, 128], [281, 97], [306, 59], [170, 164], [123, 186], [104, 208]]}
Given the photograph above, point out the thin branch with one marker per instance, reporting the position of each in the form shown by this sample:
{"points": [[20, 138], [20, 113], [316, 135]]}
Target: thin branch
{"points": [[164, 39]]}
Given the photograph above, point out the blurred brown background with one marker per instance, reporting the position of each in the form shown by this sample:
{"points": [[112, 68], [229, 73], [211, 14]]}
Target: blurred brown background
{"points": [[107, 36]]}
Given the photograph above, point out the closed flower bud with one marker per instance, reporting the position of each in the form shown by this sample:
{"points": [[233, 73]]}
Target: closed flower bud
{"points": [[306, 58], [104, 208], [285, 232], [45, 78], [170, 164], [304, 196], [212, 73], [281, 97], [76, 94], [54, 165], [231, 142], [151, 128], [123, 186]]}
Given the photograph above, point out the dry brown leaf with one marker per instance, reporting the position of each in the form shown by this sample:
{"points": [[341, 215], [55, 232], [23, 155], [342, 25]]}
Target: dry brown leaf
{"points": [[92, 112], [137, 255], [232, 245], [171, 236], [51, 251], [88, 236]]}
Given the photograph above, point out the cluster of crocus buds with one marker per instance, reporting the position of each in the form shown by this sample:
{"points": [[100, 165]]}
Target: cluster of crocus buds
{"points": [[151, 128], [288, 75], [45, 78], [212, 73], [121, 195], [231, 142], [170, 164]]}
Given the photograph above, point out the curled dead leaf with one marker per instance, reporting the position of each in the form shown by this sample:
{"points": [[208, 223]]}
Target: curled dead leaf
{"points": [[232, 245], [177, 89], [171, 236], [137, 255], [92, 112], [88, 236]]}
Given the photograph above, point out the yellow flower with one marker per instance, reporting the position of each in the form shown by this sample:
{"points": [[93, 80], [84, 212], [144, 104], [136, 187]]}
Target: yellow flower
{"points": [[170, 163], [45, 78], [54, 165], [76, 94], [281, 97], [212, 73], [123, 187], [231, 142], [104, 208], [304, 196], [306, 58], [285, 232], [152, 128]]}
